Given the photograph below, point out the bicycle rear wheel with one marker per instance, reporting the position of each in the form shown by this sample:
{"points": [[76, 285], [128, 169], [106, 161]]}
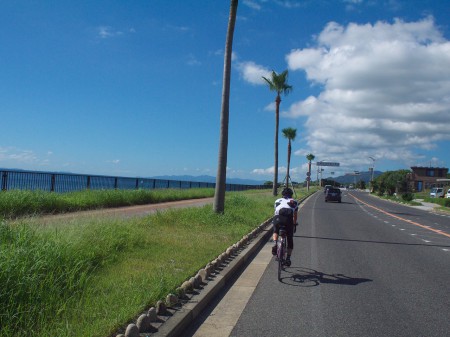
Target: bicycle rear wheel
{"points": [[280, 254]]}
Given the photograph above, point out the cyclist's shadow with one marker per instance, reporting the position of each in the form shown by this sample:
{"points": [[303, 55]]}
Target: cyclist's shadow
{"points": [[306, 277]]}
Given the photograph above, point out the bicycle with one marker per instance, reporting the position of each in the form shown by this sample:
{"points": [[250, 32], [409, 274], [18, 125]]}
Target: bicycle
{"points": [[281, 250]]}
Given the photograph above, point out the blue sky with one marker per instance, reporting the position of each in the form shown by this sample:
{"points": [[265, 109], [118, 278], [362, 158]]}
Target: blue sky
{"points": [[133, 88]]}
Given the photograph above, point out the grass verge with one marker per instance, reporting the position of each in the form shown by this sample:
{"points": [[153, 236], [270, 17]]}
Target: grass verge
{"points": [[88, 278], [17, 203], [399, 200]]}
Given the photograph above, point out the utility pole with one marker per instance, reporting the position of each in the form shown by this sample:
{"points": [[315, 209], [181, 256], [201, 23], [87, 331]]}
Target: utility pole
{"points": [[373, 170]]}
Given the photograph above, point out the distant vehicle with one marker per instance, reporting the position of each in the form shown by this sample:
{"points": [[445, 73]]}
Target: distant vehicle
{"points": [[448, 194], [326, 188], [437, 192], [333, 194], [350, 187]]}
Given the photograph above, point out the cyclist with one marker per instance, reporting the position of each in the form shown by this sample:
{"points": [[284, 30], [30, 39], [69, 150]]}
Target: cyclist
{"points": [[285, 215]]}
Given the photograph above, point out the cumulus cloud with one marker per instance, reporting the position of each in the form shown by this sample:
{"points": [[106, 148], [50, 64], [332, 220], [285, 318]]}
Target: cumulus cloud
{"points": [[296, 173], [263, 172], [252, 72], [386, 91], [269, 170]]}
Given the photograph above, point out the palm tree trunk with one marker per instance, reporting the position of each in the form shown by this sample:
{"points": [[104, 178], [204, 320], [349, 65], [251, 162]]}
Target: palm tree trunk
{"points": [[277, 122], [308, 180], [219, 193], [288, 162]]}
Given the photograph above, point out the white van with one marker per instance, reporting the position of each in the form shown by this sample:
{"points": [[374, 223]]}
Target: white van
{"points": [[437, 192]]}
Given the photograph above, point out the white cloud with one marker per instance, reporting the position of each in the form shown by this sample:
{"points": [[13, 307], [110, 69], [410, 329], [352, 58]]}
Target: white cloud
{"points": [[386, 91], [252, 72], [289, 4], [192, 60], [302, 108], [252, 4], [296, 173], [265, 171], [105, 32], [12, 156], [270, 170], [270, 107]]}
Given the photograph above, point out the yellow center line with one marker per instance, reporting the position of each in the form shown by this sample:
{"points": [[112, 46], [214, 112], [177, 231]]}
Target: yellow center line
{"points": [[438, 231]]}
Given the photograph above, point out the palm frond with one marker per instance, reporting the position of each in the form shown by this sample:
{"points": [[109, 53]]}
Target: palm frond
{"points": [[289, 133]]}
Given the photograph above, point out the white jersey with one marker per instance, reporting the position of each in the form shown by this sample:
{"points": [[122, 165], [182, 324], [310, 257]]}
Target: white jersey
{"points": [[288, 203]]}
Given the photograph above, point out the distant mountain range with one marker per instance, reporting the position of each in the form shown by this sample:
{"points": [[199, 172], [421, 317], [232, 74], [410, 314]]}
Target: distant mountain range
{"points": [[346, 179], [350, 179]]}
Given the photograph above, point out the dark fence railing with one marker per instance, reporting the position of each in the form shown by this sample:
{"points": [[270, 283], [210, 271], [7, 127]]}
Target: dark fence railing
{"points": [[65, 182]]}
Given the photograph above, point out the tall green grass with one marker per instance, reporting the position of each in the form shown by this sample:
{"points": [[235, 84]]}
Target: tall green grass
{"points": [[17, 203], [90, 276], [87, 278]]}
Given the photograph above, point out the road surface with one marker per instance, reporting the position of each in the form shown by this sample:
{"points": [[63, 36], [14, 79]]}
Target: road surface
{"points": [[363, 267]]}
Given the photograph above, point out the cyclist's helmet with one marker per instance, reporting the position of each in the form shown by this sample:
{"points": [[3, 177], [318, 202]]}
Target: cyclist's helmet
{"points": [[287, 192]]}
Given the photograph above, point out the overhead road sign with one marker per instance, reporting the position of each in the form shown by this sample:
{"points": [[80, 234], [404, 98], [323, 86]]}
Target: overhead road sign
{"points": [[326, 163]]}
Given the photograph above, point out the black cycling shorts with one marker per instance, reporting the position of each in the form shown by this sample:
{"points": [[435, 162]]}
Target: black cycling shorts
{"points": [[286, 222]]}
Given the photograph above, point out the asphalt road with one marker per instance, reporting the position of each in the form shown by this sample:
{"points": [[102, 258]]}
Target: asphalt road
{"points": [[363, 267]]}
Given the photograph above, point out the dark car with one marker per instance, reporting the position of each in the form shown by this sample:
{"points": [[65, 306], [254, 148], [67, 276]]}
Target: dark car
{"points": [[333, 194]]}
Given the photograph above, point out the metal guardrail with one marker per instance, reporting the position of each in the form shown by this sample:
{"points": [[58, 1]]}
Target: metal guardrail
{"points": [[65, 182]]}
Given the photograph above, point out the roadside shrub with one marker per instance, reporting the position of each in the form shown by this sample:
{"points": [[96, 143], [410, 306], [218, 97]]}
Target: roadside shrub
{"points": [[447, 203], [407, 196]]}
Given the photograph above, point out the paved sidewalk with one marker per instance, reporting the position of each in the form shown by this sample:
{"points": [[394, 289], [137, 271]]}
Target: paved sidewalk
{"points": [[225, 315], [123, 212], [426, 206]]}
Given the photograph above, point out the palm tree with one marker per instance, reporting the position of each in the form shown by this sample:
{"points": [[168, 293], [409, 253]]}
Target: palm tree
{"points": [[290, 134], [278, 83], [219, 193], [310, 158]]}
